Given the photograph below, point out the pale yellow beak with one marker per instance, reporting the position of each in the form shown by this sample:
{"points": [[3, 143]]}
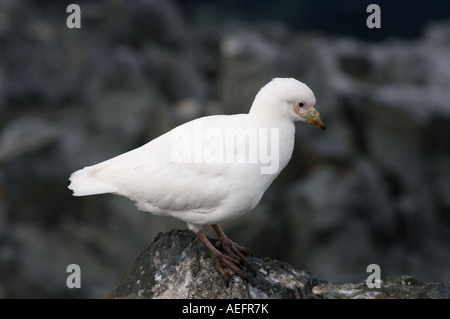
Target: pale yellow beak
{"points": [[313, 118]]}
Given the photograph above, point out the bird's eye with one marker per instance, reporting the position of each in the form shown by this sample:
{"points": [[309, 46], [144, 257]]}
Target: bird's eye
{"points": [[301, 104]]}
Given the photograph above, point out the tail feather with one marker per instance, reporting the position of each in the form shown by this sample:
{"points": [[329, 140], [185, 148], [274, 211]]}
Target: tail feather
{"points": [[84, 183]]}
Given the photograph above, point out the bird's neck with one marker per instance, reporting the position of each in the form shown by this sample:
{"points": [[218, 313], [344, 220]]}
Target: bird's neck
{"points": [[263, 116], [264, 113]]}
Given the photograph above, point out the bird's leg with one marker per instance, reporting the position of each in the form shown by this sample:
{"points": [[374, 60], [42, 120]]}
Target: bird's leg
{"points": [[232, 249], [221, 260]]}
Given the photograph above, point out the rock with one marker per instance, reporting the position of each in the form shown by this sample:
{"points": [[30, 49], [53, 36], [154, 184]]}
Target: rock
{"points": [[356, 206], [398, 287], [25, 135], [145, 20], [177, 266]]}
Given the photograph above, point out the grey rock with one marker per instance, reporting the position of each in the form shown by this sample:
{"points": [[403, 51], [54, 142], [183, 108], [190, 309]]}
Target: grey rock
{"points": [[177, 265], [145, 20], [398, 287], [356, 206], [25, 135]]}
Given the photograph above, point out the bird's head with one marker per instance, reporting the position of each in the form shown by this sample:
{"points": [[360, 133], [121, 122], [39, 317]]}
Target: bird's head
{"points": [[294, 99]]}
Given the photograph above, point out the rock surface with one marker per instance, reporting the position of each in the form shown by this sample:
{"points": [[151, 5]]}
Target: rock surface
{"points": [[177, 266], [397, 287]]}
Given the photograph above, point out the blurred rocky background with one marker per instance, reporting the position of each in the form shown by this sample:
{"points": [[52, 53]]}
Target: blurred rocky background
{"points": [[373, 188]]}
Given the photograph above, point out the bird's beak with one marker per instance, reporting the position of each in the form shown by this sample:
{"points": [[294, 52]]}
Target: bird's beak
{"points": [[313, 117]]}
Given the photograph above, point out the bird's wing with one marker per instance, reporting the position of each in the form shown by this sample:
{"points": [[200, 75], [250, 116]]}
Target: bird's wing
{"points": [[152, 174]]}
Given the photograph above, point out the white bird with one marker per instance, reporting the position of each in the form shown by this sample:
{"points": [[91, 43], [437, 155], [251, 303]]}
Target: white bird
{"points": [[212, 169]]}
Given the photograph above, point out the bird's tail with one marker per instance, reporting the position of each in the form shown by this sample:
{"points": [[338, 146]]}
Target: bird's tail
{"points": [[84, 182]]}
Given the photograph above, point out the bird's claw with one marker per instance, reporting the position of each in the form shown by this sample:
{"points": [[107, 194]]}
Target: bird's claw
{"points": [[221, 261], [231, 257], [236, 253]]}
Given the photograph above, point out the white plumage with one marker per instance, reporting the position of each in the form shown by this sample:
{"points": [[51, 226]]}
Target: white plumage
{"points": [[204, 172]]}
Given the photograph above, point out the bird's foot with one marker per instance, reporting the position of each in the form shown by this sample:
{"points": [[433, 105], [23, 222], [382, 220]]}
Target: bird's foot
{"points": [[236, 252], [221, 261], [233, 250]]}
